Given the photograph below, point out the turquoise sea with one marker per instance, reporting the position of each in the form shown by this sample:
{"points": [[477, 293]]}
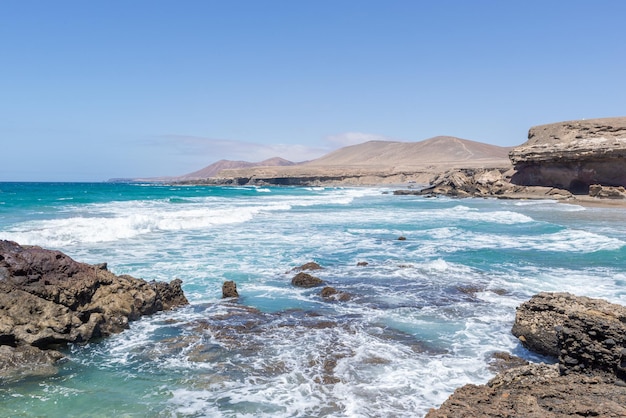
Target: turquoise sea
{"points": [[423, 318]]}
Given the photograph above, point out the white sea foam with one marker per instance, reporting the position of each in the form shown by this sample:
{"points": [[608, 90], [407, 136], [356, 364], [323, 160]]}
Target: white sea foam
{"points": [[567, 240], [422, 319]]}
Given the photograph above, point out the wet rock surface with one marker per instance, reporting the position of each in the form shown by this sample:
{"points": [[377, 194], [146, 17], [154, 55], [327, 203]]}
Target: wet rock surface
{"points": [[330, 293], [47, 300], [588, 338], [537, 391], [229, 290], [586, 334], [306, 280]]}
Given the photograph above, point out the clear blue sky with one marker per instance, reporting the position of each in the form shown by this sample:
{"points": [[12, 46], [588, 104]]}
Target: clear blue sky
{"points": [[91, 90]]}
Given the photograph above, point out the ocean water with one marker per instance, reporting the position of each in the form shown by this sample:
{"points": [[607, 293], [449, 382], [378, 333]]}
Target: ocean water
{"points": [[424, 315]]}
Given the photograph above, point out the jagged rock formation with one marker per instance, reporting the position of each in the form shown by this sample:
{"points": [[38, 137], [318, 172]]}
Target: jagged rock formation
{"points": [[483, 183], [47, 299], [537, 391], [585, 333], [573, 155], [589, 338]]}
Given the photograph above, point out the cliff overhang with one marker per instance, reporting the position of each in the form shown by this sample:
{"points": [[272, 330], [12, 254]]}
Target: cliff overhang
{"points": [[573, 155]]}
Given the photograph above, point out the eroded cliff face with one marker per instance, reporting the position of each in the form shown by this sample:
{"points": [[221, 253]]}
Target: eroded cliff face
{"points": [[573, 155]]}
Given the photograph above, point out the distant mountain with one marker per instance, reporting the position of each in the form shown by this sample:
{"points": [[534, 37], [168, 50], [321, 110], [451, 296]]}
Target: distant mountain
{"points": [[380, 162], [433, 151], [213, 169], [427, 157]]}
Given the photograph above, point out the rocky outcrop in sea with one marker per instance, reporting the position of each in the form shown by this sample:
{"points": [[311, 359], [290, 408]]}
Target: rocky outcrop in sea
{"points": [[588, 336], [47, 300]]}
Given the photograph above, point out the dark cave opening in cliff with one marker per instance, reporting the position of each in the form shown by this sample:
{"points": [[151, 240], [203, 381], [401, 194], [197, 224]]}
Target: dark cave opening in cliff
{"points": [[579, 187]]}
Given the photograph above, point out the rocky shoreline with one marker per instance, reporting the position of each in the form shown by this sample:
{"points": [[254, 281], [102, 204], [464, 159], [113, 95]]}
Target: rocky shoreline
{"points": [[48, 300], [576, 161], [494, 183], [588, 336]]}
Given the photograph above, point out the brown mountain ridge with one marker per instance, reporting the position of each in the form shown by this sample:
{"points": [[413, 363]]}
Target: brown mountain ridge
{"points": [[375, 162]]}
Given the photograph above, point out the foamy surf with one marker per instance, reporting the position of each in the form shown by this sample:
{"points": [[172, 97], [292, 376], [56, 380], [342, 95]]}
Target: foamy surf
{"points": [[423, 317]]}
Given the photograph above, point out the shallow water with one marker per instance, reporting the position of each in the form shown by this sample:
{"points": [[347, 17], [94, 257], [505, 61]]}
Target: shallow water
{"points": [[423, 318]]}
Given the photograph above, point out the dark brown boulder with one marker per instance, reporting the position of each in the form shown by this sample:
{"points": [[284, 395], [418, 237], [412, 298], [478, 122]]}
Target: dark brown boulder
{"points": [[588, 336], [229, 290], [48, 299], [306, 280]]}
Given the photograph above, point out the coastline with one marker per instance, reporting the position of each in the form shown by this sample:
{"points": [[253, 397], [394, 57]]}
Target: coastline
{"points": [[468, 253]]}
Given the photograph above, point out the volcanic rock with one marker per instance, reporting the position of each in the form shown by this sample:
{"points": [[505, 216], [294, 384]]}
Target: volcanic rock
{"points": [[26, 360], [588, 336], [537, 391], [306, 280], [573, 155], [584, 333], [330, 293], [229, 290], [47, 299]]}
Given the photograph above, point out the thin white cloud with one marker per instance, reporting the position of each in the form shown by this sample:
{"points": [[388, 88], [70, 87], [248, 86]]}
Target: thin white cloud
{"points": [[208, 150], [352, 138], [216, 149]]}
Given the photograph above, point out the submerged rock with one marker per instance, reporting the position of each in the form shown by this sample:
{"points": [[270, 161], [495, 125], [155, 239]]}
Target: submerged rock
{"points": [[501, 361], [47, 299], [331, 293], [26, 360]]}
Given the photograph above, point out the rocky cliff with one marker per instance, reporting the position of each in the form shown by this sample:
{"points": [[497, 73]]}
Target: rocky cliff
{"points": [[47, 300], [588, 336], [573, 155]]}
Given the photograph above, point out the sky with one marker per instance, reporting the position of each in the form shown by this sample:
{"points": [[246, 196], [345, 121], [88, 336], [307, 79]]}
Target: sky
{"points": [[99, 89]]}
